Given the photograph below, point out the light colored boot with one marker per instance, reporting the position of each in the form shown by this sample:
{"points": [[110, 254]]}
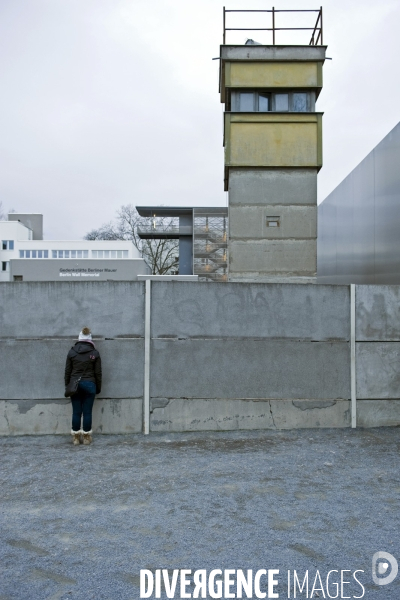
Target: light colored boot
{"points": [[87, 437], [76, 437]]}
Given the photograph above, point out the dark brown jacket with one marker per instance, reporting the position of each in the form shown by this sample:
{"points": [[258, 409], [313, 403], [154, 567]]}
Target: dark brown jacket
{"points": [[84, 361]]}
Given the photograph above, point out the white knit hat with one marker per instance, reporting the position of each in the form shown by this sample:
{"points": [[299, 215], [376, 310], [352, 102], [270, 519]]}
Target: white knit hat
{"points": [[85, 335]]}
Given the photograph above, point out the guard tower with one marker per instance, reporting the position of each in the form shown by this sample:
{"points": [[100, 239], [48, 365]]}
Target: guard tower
{"points": [[273, 148]]}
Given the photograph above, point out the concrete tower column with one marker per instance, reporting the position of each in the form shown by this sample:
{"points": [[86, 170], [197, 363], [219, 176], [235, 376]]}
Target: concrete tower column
{"points": [[273, 152]]}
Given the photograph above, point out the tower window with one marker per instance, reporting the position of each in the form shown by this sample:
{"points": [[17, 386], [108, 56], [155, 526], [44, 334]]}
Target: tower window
{"points": [[299, 102], [264, 101], [246, 102], [281, 102], [273, 222]]}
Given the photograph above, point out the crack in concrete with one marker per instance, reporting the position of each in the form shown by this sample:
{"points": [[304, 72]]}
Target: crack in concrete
{"points": [[6, 418], [272, 416]]}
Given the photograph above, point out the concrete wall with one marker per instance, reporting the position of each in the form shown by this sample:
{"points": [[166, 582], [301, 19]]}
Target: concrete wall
{"points": [[294, 56], [273, 75], [272, 258], [258, 252], [60, 310], [378, 354], [39, 322], [272, 186], [223, 355], [273, 139]]}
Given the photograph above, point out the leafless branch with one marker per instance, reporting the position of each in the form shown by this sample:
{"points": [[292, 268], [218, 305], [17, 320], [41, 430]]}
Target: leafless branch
{"points": [[159, 255]]}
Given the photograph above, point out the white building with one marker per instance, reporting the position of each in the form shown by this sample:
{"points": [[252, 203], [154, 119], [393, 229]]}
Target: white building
{"points": [[25, 256]]}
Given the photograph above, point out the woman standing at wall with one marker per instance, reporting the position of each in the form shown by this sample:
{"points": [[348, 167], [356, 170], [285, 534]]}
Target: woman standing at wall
{"points": [[82, 382]]}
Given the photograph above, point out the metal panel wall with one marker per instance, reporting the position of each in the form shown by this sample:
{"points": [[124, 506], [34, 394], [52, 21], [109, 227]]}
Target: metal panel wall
{"points": [[359, 222]]}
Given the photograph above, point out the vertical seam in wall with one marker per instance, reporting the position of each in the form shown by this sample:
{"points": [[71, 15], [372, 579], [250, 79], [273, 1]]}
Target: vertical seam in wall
{"points": [[146, 386], [374, 175], [353, 355]]}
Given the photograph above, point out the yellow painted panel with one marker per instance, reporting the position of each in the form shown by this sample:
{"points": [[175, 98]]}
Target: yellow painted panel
{"points": [[273, 74], [273, 144]]}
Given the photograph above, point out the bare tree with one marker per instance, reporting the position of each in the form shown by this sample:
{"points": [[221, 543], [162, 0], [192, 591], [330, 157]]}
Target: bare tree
{"points": [[107, 231], [159, 255]]}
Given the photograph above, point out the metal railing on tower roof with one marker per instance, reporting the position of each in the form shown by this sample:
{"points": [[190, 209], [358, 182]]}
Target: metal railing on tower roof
{"points": [[317, 29]]}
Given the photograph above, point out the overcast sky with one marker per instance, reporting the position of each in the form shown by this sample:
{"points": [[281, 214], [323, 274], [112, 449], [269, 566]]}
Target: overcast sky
{"points": [[110, 102]]}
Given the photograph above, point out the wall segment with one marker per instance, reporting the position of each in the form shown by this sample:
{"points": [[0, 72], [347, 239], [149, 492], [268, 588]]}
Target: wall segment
{"points": [[222, 355]]}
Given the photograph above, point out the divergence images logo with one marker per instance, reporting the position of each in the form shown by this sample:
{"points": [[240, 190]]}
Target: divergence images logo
{"points": [[380, 565]]}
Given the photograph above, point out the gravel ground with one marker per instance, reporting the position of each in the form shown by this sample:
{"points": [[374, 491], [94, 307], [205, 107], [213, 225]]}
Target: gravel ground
{"points": [[80, 522]]}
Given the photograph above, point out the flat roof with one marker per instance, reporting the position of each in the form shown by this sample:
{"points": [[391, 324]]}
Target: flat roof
{"points": [[176, 211]]}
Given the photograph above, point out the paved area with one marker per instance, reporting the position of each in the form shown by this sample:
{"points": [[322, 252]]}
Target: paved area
{"points": [[80, 522]]}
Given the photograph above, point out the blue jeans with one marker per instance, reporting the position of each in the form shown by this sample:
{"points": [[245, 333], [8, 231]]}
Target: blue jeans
{"points": [[82, 404]]}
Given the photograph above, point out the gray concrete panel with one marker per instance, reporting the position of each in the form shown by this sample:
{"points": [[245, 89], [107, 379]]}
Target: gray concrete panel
{"points": [[110, 309], [378, 313], [34, 369], [326, 243], [199, 414], [378, 413], [306, 312], [36, 417], [249, 369], [250, 222], [378, 370], [303, 53], [272, 186], [294, 414], [273, 257]]}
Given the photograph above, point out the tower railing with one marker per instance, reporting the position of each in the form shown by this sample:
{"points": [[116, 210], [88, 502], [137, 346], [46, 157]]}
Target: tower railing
{"points": [[317, 29], [171, 230]]}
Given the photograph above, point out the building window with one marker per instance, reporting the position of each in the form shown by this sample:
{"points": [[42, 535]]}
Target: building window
{"points": [[281, 102], [70, 254], [273, 222], [5, 266], [110, 254], [264, 101], [246, 102], [34, 254], [299, 102], [7, 245]]}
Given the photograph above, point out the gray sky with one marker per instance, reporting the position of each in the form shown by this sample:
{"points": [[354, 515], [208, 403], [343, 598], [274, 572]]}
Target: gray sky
{"points": [[109, 102]]}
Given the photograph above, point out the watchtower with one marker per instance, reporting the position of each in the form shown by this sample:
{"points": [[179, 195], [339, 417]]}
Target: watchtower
{"points": [[273, 151]]}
